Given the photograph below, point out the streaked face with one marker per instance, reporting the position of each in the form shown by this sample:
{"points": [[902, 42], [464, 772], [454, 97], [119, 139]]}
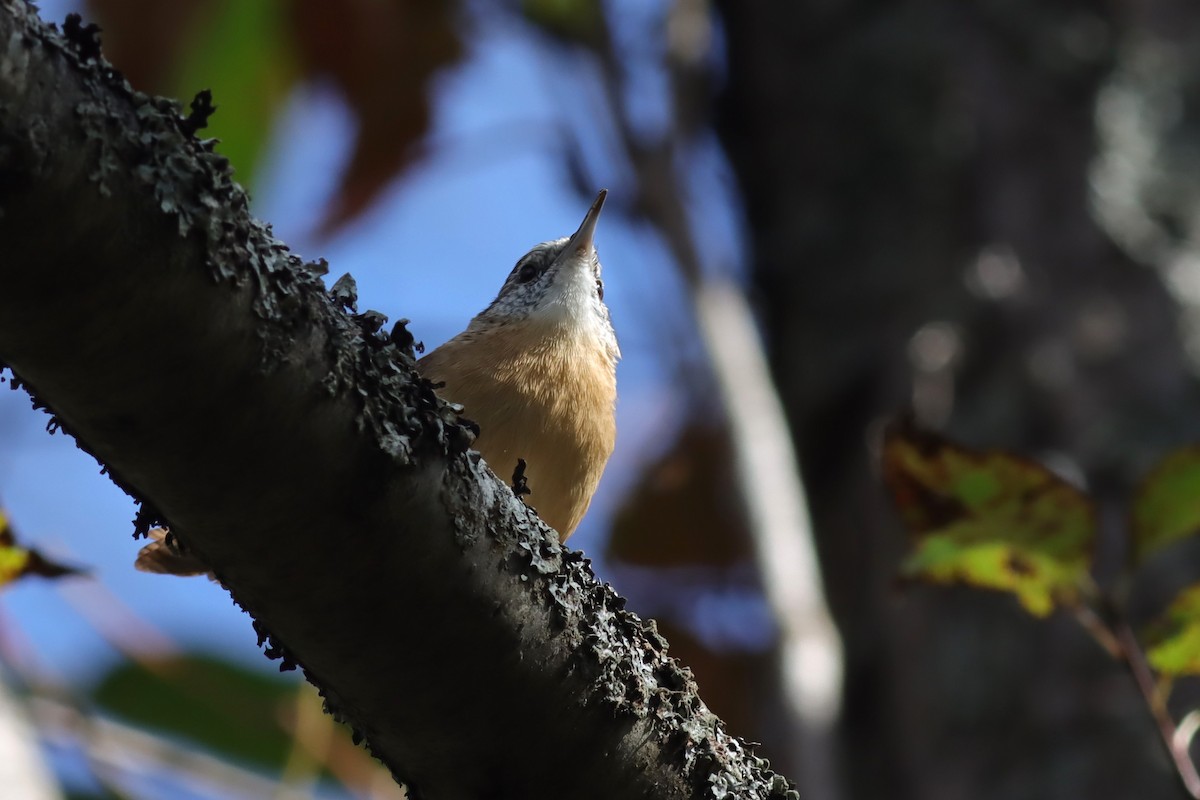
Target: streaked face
{"points": [[557, 281], [551, 280]]}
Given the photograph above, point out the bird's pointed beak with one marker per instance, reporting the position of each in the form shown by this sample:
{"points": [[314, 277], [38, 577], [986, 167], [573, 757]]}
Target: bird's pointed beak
{"points": [[580, 242]]}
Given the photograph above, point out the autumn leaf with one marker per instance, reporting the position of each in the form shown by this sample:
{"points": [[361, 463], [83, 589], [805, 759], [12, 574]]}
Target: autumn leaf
{"points": [[144, 39], [383, 56], [989, 519], [1166, 507], [684, 496]]}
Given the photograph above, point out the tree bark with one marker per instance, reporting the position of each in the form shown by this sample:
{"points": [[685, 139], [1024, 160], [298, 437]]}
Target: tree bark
{"points": [[294, 449]]}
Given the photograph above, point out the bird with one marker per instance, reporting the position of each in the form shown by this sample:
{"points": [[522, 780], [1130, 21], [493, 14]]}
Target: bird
{"points": [[535, 370]]}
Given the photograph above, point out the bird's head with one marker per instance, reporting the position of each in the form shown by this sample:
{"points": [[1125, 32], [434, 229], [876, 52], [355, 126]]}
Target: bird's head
{"points": [[556, 283]]}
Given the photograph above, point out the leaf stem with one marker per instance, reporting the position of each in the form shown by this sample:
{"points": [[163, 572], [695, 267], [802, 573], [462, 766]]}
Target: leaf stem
{"points": [[1134, 657], [1099, 630]]}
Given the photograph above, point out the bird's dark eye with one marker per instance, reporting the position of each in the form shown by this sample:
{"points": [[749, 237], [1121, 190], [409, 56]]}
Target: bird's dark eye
{"points": [[600, 288], [527, 273]]}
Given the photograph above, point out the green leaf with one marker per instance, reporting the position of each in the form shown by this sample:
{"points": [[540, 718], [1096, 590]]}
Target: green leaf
{"points": [[989, 519], [1166, 507], [229, 709], [244, 56], [1175, 638]]}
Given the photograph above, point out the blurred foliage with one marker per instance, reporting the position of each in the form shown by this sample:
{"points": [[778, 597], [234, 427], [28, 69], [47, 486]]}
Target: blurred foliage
{"points": [[687, 498], [997, 521], [989, 519], [380, 54], [1175, 639], [229, 709], [1167, 506], [243, 55]]}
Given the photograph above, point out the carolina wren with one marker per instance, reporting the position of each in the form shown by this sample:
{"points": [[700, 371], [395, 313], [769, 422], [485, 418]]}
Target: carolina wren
{"points": [[536, 370]]}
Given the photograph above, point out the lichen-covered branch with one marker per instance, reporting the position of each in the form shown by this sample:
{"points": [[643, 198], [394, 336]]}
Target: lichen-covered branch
{"points": [[291, 445]]}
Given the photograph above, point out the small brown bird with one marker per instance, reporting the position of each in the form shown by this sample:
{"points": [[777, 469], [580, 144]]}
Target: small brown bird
{"points": [[536, 370]]}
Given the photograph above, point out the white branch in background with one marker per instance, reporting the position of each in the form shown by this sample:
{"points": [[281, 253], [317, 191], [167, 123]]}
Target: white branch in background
{"points": [[772, 488]]}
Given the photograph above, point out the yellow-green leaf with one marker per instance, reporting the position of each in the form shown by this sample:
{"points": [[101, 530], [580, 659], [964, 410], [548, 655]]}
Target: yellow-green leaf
{"points": [[13, 561], [1166, 508], [1175, 638], [988, 518]]}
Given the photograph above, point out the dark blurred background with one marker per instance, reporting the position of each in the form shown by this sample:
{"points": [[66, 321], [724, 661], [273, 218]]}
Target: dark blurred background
{"points": [[984, 211]]}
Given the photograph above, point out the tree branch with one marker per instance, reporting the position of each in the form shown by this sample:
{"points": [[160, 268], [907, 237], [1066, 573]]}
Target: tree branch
{"points": [[293, 448]]}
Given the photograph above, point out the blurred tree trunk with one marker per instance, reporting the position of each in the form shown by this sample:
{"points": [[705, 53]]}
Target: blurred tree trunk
{"points": [[917, 188]]}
